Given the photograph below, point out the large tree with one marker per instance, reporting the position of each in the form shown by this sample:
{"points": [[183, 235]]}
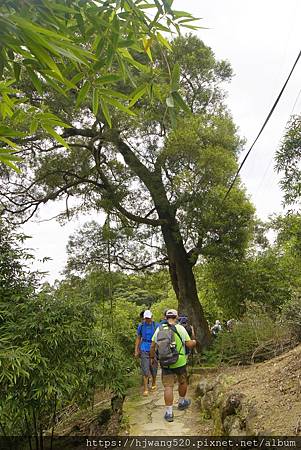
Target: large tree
{"points": [[162, 185]]}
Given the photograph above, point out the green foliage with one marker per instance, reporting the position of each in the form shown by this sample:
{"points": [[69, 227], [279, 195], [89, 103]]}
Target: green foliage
{"points": [[56, 347], [76, 48], [288, 161], [291, 314], [266, 278], [159, 307], [288, 229], [259, 335]]}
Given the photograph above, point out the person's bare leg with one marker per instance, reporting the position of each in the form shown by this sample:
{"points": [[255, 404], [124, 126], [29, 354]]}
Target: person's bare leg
{"points": [[168, 395], [182, 389], [145, 385], [183, 402]]}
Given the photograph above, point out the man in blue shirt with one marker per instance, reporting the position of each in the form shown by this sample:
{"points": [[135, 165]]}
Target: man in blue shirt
{"points": [[145, 332]]}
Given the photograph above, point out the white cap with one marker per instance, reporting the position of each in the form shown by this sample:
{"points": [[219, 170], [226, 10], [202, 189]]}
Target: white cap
{"points": [[171, 313], [147, 314]]}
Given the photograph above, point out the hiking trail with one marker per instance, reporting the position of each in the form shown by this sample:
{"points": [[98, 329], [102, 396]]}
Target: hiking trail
{"points": [[144, 415]]}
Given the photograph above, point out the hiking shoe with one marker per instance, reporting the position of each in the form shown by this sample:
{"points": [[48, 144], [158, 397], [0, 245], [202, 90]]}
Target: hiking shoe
{"points": [[168, 417], [184, 405], [145, 394], [154, 388]]}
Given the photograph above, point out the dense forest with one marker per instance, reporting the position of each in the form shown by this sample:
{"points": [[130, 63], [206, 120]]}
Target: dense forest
{"points": [[123, 122]]}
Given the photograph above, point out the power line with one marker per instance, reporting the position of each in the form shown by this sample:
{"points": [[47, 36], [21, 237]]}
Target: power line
{"points": [[272, 158], [263, 126], [296, 101]]}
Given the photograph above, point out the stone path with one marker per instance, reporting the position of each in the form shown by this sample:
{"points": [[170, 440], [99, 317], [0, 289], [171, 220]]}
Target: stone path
{"points": [[145, 415]]}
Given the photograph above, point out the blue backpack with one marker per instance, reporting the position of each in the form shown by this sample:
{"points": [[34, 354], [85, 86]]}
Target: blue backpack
{"points": [[144, 334]]}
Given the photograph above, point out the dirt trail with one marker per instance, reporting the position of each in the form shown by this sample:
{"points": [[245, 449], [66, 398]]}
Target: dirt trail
{"points": [[145, 415]]}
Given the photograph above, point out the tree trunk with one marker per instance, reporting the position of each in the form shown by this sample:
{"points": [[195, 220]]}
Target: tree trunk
{"points": [[183, 282]]}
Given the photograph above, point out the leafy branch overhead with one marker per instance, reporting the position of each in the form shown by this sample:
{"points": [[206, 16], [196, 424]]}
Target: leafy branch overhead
{"points": [[78, 48]]}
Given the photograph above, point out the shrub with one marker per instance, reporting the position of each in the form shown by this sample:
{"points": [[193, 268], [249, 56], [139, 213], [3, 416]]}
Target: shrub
{"points": [[291, 314], [258, 336]]}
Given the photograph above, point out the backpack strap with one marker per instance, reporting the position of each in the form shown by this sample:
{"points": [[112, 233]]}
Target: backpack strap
{"points": [[174, 329]]}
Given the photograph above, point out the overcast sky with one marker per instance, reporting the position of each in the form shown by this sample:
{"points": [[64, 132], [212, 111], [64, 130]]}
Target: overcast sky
{"points": [[261, 39]]}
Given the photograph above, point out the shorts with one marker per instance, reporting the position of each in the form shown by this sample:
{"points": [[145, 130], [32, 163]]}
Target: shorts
{"points": [[170, 376], [146, 368]]}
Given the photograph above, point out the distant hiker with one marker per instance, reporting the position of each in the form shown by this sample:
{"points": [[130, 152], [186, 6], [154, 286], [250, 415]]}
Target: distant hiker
{"points": [[183, 320], [216, 328], [145, 332], [230, 325], [169, 341]]}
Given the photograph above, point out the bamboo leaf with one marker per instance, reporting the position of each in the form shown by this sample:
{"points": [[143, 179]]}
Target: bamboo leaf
{"points": [[55, 135], [163, 41], [82, 93], [106, 112], [35, 80], [6, 131], [146, 46], [110, 78], [33, 126], [180, 102], [17, 71], [95, 101], [136, 95], [7, 155], [44, 57], [26, 25], [175, 77], [190, 27], [9, 142], [10, 164], [118, 105], [54, 85], [146, 6], [179, 14], [110, 92]]}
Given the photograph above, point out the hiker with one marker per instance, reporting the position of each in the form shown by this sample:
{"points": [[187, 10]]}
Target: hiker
{"points": [[230, 325], [169, 341], [143, 341], [216, 328], [183, 320]]}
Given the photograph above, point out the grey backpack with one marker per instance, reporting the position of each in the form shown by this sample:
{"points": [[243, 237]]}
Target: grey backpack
{"points": [[166, 345]]}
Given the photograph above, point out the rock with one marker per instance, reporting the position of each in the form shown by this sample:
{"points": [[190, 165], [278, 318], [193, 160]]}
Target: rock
{"points": [[203, 387], [232, 404], [231, 413], [233, 426]]}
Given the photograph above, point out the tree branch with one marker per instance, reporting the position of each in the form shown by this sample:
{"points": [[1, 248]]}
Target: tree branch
{"points": [[116, 202], [194, 253]]}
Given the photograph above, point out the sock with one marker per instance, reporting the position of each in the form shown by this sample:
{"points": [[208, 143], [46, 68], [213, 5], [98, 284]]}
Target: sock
{"points": [[169, 410], [181, 399]]}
